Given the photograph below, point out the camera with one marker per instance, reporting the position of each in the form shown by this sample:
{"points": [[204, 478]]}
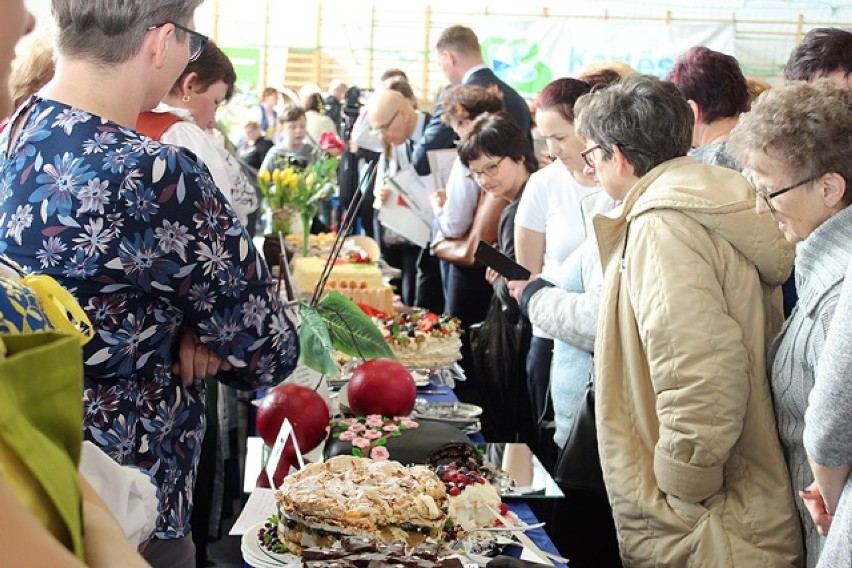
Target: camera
{"points": [[353, 101]]}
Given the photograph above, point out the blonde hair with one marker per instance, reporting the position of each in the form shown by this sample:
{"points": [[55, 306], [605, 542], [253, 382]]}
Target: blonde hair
{"points": [[33, 69], [623, 69], [620, 67], [755, 88]]}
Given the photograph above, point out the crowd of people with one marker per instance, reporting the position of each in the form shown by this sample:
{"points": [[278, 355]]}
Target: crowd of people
{"points": [[689, 242]]}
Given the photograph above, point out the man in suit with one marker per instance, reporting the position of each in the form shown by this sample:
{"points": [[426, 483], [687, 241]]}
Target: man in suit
{"points": [[460, 57]]}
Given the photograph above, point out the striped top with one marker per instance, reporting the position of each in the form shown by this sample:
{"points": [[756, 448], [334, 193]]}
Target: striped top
{"points": [[821, 262]]}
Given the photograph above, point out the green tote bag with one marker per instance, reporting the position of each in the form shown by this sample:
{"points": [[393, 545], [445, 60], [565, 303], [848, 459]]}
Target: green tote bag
{"points": [[41, 415]]}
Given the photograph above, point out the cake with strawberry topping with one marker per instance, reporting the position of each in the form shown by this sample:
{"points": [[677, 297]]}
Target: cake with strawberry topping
{"points": [[422, 340]]}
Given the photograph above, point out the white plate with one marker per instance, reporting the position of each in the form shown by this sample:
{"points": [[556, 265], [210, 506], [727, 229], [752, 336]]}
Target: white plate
{"points": [[258, 557], [454, 412], [343, 398], [422, 378]]}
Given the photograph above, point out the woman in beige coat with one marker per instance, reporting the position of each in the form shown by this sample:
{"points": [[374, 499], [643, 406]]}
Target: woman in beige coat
{"points": [[687, 440]]}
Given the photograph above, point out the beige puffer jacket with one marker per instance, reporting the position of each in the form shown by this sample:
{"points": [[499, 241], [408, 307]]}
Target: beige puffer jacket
{"points": [[686, 430]]}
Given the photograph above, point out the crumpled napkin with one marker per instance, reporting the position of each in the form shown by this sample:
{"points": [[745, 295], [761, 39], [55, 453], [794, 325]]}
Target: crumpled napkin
{"points": [[451, 374], [129, 493]]}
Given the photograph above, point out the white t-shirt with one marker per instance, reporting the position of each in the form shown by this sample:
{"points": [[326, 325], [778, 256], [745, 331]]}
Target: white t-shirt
{"points": [[551, 205], [456, 217]]}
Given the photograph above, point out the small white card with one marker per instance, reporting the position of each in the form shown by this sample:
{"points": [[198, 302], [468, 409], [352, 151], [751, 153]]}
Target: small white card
{"points": [[285, 433]]}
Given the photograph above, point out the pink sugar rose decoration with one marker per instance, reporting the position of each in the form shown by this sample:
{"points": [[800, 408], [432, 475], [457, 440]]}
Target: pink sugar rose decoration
{"points": [[361, 443], [379, 453], [390, 427], [374, 421], [409, 423], [357, 427], [348, 436], [372, 434]]}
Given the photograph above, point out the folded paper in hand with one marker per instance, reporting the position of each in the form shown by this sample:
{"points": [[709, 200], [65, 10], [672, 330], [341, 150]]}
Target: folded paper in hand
{"points": [[413, 217]]}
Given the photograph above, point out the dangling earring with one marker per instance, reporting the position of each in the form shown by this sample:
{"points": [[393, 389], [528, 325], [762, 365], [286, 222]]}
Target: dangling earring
{"points": [[186, 98]]}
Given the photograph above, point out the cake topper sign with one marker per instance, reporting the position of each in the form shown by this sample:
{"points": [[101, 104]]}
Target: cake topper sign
{"points": [[285, 433]]}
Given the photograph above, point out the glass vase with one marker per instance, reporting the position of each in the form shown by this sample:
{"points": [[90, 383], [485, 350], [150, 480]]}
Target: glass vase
{"points": [[307, 217]]}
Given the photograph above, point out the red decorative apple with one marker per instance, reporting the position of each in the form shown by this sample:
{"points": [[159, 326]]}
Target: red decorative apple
{"points": [[381, 386], [306, 409]]}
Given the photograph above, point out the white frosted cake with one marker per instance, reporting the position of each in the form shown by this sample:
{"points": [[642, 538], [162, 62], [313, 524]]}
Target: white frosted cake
{"points": [[361, 282], [344, 274]]}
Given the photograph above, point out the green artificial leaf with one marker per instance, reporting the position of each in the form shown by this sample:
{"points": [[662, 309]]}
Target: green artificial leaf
{"points": [[350, 329], [315, 343]]}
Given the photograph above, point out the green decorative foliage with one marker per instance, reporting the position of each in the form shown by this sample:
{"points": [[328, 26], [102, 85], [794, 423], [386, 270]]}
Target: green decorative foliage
{"points": [[315, 342], [337, 323], [351, 330]]}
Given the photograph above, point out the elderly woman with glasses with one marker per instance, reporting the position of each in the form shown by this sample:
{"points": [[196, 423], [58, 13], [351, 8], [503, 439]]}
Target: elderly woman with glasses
{"points": [[796, 142], [688, 449], [148, 244]]}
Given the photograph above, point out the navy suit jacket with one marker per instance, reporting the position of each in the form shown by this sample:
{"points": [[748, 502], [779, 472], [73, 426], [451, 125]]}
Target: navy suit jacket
{"points": [[438, 136]]}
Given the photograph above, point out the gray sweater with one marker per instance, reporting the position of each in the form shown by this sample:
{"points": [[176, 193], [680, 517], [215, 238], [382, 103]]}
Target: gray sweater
{"points": [[828, 422], [794, 356]]}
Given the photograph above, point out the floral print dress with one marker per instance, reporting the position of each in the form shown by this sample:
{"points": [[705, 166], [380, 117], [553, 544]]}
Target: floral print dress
{"points": [[140, 234]]}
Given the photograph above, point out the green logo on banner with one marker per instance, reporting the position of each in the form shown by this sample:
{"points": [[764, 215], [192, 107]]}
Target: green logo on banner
{"points": [[246, 62], [517, 63]]}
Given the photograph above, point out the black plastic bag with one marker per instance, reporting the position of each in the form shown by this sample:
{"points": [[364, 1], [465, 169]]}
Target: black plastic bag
{"points": [[499, 349]]}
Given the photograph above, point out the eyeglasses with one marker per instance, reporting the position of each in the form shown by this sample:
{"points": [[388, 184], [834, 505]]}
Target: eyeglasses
{"points": [[768, 196], [490, 170], [197, 41], [585, 155], [382, 128]]}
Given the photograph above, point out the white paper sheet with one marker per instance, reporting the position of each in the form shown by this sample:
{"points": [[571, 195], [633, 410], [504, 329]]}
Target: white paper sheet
{"points": [[406, 222], [260, 504], [441, 163], [415, 190]]}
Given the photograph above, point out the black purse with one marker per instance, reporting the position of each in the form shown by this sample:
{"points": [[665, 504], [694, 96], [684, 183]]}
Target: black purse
{"points": [[579, 463]]}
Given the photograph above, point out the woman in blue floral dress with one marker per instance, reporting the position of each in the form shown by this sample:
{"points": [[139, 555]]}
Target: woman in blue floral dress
{"points": [[150, 247]]}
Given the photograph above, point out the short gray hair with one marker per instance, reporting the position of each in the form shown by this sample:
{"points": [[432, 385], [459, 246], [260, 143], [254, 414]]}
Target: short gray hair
{"points": [[648, 119], [806, 127], [112, 31]]}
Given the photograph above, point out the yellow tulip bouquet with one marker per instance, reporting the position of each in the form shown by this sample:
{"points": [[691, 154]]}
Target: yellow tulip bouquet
{"points": [[297, 189]]}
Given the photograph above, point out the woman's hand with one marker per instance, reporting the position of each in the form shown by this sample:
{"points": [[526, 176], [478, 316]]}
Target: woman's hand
{"points": [[492, 275], [816, 507], [517, 287], [438, 199], [195, 361], [384, 194]]}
